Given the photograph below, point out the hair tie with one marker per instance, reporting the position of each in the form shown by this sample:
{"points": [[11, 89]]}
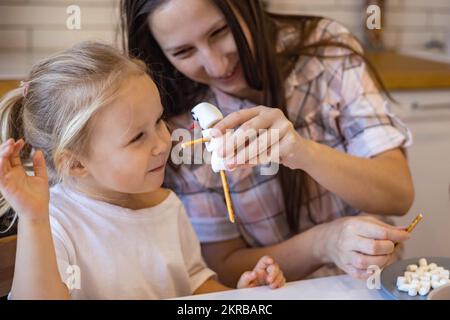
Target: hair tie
{"points": [[25, 86]]}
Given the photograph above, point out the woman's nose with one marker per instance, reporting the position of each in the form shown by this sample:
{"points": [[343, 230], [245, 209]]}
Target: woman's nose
{"points": [[215, 63]]}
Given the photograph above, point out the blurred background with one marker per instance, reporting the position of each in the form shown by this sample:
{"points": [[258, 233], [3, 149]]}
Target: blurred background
{"points": [[411, 51]]}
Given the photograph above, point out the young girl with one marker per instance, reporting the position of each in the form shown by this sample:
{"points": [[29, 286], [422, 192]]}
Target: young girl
{"points": [[94, 122]]}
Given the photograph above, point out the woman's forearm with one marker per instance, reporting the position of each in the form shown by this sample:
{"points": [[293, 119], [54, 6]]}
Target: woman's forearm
{"points": [[298, 257], [381, 185], [36, 274]]}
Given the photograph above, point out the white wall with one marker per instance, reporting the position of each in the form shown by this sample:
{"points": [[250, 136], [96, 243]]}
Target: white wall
{"points": [[408, 23], [39, 25]]}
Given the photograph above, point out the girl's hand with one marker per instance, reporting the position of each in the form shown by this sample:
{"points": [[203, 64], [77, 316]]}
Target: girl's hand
{"points": [[28, 195], [266, 272], [355, 243], [282, 148]]}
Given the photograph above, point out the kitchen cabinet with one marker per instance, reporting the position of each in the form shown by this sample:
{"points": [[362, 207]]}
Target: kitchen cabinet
{"points": [[427, 114]]}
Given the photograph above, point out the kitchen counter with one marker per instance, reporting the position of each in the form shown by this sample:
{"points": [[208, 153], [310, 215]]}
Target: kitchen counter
{"points": [[329, 288], [411, 71]]}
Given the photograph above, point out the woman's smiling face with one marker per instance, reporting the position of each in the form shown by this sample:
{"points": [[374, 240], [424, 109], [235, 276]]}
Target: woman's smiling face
{"points": [[197, 40]]}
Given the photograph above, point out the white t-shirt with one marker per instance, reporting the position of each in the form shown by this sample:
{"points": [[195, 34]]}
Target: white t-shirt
{"points": [[119, 253]]}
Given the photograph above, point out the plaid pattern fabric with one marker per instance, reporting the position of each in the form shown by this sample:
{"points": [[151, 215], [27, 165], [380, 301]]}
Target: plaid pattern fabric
{"points": [[331, 101]]}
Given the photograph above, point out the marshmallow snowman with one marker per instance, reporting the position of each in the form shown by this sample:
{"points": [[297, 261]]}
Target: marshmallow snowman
{"points": [[207, 115]]}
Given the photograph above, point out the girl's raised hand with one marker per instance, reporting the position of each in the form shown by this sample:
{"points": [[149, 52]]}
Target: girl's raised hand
{"points": [[266, 272], [28, 195]]}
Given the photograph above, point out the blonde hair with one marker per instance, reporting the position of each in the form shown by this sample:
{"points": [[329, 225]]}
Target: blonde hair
{"points": [[62, 94]]}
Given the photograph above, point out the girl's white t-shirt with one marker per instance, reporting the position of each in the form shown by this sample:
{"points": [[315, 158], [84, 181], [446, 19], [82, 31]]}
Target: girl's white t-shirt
{"points": [[108, 252]]}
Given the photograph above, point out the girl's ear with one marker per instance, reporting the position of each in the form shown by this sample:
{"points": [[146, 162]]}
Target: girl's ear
{"points": [[71, 164], [78, 170]]}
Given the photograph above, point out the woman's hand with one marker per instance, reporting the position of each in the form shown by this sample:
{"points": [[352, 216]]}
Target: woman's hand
{"points": [[266, 272], [264, 135], [28, 195], [355, 243]]}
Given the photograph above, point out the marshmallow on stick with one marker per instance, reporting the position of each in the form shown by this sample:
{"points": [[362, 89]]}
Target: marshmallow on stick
{"points": [[207, 115]]}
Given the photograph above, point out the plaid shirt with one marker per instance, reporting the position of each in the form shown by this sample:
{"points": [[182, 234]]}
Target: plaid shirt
{"points": [[330, 101]]}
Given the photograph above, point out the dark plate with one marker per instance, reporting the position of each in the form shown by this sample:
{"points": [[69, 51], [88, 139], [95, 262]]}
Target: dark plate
{"points": [[390, 273]]}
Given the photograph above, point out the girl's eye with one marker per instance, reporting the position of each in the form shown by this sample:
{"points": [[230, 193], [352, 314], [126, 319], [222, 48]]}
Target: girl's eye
{"points": [[220, 31], [161, 120], [138, 137]]}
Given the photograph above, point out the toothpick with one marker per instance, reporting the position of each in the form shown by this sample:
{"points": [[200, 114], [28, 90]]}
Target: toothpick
{"points": [[190, 143], [226, 191], [414, 223]]}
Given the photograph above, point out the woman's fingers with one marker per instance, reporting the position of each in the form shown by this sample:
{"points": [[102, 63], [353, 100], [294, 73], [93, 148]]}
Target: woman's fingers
{"points": [[235, 119], [369, 229], [355, 272], [257, 152], [362, 261], [372, 246], [236, 143]]}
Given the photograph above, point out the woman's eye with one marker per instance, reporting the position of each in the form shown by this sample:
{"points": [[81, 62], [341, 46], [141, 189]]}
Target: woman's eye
{"points": [[220, 31], [182, 53], [139, 136]]}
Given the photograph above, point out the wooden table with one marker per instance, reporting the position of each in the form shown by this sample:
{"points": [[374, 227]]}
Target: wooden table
{"points": [[7, 258]]}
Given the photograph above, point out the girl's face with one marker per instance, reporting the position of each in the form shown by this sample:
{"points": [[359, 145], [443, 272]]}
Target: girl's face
{"points": [[130, 143], [196, 39]]}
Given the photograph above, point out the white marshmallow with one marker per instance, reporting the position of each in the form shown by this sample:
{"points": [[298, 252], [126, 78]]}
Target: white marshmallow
{"points": [[404, 287], [435, 284], [423, 291], [422, 278], [435, 277], [206, 114], [214, 143], [432, 266], [425, 278], [423, 262], [412, 267], [412, 291], [217, 163], [400, 281]]}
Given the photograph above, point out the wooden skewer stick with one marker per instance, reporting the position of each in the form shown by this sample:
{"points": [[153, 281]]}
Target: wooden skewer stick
{"points": [[414, 223], [190, 143], [226, 191]]}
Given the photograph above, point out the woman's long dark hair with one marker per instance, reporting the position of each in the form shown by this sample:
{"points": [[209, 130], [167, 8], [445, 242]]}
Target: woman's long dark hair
{"points": [[265, 70]]}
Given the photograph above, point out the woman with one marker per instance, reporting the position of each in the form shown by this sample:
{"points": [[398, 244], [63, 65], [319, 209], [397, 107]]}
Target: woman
{"points": [[340, 148]]}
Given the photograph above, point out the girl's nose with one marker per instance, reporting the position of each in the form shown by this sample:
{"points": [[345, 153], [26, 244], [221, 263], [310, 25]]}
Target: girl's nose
{"points": [[161, 143]]}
